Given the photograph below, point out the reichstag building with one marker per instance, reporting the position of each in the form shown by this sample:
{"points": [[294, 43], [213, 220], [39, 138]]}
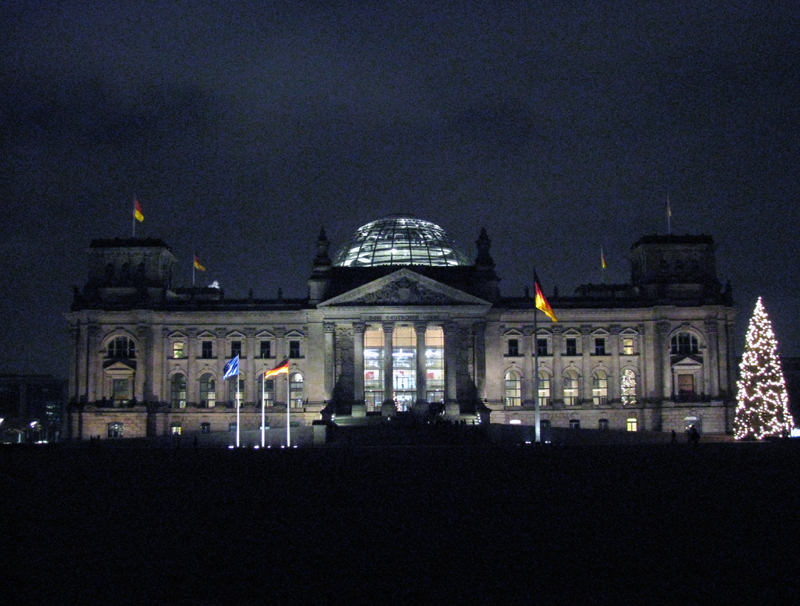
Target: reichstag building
{"points": [[399, 319]]}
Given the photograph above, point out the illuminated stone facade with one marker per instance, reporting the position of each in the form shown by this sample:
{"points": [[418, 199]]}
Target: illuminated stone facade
{"points": [[377, 337]]}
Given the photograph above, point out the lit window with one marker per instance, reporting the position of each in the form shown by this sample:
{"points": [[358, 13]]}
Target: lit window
{"points": [[544, 388], [269, 392], [627, 346], [178, 350], [628, 387], [513, 347], [600, 387], [208, 391], [294, 349], [232, 387], [373, 368], [178, 391], [122, 391], [632, 424], [207, 350], [513, 389], [572, 346], [570, 387], [296, 390], [115, 430], [599, 346], [175, 429], [236, 349]]}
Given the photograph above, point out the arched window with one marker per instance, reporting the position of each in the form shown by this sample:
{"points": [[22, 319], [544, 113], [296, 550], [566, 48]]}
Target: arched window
{"points": [[232, 389], [544, 388], [296, 389], [628, 387], [600, 387], [121, 348], [267, 391], [570, 387], [513, 389], [684, 343], [208, 390], [177, 398]]}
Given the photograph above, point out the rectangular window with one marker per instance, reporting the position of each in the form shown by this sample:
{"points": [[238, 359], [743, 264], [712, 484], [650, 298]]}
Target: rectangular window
{"points": [[627, 346], [178, 351], [205, 427], [232, 427], [121, 389], [265, 349], [545, 424], [175, 429], [602, 424], [294, 349], [115, 430], [541, 347], [686, 388], [572, 346], [207, 350], [269, 392], [574, 424], [236, 349], [632, 424], [600, 346], [513, 347]]}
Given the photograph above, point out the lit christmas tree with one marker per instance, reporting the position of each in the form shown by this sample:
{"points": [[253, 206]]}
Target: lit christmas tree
{"points": [[762, 407]]}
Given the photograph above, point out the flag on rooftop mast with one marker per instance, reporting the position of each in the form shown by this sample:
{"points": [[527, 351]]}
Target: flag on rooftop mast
{"points": [[138, 215]]}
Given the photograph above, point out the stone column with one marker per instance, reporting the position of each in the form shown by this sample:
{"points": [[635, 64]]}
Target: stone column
{"points": [[557, 381], [358, 361], [615, 380], [661, 357], [281, 353], [329, 361], [193, 350], [586, 361], [712, 371], [422, 377], [479, 332], [528, 383], [94, 386], [450, 361], [142, 379], [388, 407]]}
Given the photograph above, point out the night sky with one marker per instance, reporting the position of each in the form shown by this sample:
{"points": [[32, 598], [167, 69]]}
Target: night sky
{"points": [[245, 127]]}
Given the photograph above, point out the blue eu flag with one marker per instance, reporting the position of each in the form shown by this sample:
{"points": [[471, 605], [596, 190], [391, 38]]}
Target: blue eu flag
{"points": [[231, 368]]}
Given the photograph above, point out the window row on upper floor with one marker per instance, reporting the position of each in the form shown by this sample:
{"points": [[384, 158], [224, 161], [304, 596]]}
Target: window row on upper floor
{"points": [[572, 346]]}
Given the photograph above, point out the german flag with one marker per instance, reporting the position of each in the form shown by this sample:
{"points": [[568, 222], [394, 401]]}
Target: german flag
{"points": [[541, 302], [278, 370]]}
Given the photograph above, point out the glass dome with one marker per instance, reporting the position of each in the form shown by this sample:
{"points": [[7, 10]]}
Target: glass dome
{"points": [[399, 240]]}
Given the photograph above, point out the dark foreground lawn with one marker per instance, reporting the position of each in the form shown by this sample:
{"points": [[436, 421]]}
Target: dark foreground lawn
{"points": [[625, 524]]}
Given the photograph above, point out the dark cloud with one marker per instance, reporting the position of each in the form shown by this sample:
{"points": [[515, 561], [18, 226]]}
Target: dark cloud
{"points": [[245, 127]]}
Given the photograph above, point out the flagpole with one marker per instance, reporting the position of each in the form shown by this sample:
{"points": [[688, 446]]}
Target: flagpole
{"points": [[237, 410], [537, 418], [134, 217], [288, 406], [263, 382]]}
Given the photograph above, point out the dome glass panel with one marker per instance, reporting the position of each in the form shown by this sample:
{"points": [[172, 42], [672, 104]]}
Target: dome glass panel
{"points": [[399, 240]]}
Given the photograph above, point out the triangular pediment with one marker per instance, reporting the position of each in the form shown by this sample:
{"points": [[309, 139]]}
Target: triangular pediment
{"points": [[687, 363], [404, 287]]}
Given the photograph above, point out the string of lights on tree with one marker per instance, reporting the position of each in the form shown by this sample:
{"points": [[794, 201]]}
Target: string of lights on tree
{"points": [[762, 407]]}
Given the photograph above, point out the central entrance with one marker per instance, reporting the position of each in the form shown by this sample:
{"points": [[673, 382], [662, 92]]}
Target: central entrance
{"points": [[408, 374]]}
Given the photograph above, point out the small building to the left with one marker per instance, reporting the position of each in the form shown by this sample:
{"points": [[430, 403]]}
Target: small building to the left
{"points": [[32, 408]]}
